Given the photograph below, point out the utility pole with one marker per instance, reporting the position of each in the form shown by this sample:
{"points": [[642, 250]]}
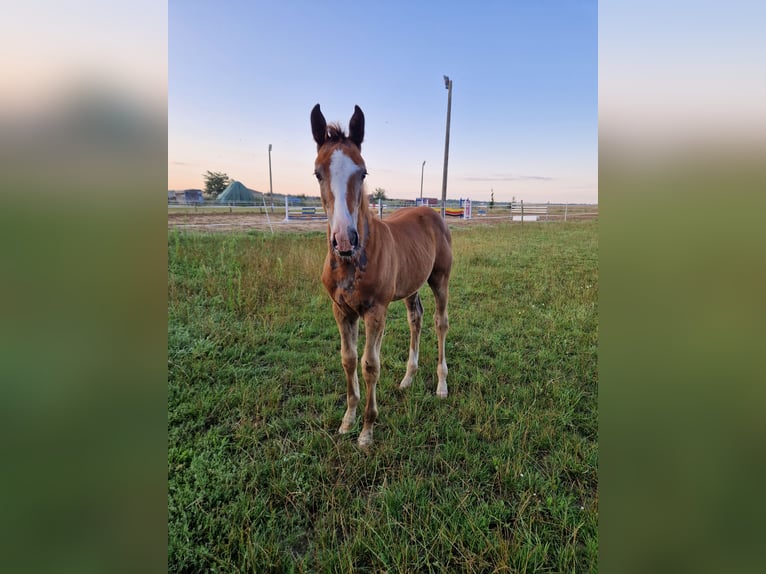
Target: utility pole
{"points": [[421, 181], [448, 87], [271, 192]]}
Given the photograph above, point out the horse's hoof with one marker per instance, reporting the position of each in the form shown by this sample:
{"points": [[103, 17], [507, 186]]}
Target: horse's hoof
{"points": [[365, 439], [442, 392], [405, 384]]}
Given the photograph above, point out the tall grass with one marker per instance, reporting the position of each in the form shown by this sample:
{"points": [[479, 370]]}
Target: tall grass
{"points": [[501, 476]]}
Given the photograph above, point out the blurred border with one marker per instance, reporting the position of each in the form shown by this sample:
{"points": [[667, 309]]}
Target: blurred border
{"points": [[681, 161], [83, 341]]}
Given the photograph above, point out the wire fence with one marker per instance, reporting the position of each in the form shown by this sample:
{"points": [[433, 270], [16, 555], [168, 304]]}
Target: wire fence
{"points": [[290, 208]]}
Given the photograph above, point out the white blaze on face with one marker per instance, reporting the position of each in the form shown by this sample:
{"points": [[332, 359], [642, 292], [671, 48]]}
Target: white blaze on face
{"points": [[342, 168]]}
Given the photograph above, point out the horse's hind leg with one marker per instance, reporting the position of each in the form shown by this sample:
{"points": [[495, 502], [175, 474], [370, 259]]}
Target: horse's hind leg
{"points": [[415, 318], [439, 283]]}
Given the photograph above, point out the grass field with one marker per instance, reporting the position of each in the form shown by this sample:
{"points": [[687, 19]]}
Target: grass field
{"points": [[501, 476]]}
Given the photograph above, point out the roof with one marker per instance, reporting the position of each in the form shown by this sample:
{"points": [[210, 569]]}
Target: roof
{"points": [[236, 193]]}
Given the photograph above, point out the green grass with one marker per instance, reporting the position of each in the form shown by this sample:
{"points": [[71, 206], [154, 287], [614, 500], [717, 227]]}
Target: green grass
{"points": [[500, 477]]}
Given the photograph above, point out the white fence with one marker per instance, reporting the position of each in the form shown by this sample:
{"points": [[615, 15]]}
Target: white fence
{"points": [[310, 209], [519, 211], [303, 212]]}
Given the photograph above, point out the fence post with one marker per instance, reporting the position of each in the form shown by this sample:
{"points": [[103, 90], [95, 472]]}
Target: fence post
{"points": [[522, 212], [566, 208], [380, 208]]}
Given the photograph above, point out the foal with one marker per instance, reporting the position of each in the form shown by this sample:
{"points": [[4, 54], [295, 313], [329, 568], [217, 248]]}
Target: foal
{"points": [[371, 262]]}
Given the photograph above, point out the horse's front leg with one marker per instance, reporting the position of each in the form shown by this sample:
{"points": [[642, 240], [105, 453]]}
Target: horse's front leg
{"points": [[374, 325], [348, 325]]}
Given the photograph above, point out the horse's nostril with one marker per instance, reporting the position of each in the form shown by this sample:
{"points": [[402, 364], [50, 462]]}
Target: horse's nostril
{"points": [[353, 237], [334, 242]]}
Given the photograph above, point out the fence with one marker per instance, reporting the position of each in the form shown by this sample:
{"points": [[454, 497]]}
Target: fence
{"points": [[296, 209], [303, 212], [517, 211], [211, 206]]}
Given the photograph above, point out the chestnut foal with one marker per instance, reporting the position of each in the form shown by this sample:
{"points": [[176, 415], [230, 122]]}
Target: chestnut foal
{"points": [[371, 262]]}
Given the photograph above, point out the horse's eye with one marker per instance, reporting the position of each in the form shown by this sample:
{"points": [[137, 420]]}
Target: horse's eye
{"points": [[364, 175], [318, 175]]}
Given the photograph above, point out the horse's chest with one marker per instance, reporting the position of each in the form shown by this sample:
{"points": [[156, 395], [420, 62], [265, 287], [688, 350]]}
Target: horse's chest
{"points": [[354, 293]]}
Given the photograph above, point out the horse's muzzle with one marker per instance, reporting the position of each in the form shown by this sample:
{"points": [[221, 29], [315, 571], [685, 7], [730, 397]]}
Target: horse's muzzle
{"points": [[345, 243]]}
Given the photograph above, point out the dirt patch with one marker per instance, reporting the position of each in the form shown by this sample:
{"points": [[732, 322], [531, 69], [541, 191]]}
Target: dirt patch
{"points": [[225, 221], [239, 222]]}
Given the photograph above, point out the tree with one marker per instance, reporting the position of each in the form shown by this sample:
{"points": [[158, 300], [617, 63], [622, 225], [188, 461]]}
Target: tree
{"points": [[379, 195], [215, 182]]}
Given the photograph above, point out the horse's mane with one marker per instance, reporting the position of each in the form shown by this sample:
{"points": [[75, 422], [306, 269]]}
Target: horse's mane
{"points": [[335, 133]]}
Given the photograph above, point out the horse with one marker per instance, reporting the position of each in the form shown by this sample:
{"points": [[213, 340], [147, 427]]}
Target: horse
{"points": [[371, 262]]}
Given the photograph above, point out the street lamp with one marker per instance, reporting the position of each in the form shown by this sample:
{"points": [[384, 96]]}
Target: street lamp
{"points": [[271, 193], [448, 87], [421, 181]]}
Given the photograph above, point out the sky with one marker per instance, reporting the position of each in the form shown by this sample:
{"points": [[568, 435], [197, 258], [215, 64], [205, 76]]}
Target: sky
{"points": [[524, 119], [664, 83]]}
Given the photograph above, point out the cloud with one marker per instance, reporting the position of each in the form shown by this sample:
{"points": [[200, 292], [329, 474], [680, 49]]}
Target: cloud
{"points": [[507, 177]]}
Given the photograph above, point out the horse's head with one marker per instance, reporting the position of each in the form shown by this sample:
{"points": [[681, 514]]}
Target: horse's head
{"points": [[340, 170]]}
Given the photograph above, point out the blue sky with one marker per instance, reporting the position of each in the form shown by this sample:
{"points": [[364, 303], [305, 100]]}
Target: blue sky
{"points": [[243, 75]]}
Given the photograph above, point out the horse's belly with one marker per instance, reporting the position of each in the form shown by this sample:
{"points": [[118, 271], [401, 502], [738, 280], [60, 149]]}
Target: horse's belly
{"points": [[411, 285]]}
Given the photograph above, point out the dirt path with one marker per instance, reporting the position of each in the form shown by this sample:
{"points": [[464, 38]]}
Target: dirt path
{"points": [[256, 221], [239, 222]]}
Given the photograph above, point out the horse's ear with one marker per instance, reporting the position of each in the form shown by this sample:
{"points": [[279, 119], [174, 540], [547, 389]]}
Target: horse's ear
{"points": [[318, 126], [356, 127]]}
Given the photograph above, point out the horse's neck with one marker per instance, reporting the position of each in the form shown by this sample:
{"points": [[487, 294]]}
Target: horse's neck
{"points": [[372, 224]]}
